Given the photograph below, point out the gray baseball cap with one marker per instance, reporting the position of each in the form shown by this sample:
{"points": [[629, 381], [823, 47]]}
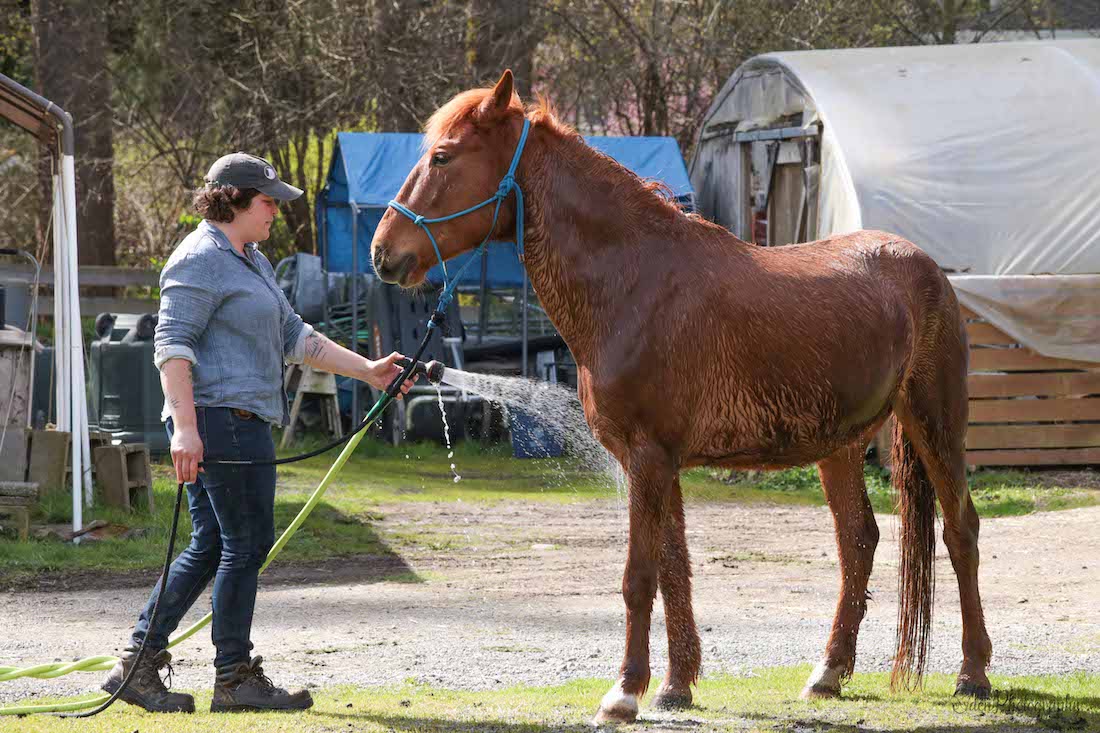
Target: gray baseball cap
{"points": [[247, 171]]}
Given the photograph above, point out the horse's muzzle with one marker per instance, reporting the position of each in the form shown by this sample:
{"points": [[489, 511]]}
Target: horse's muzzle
{"points": [[393, 269]]}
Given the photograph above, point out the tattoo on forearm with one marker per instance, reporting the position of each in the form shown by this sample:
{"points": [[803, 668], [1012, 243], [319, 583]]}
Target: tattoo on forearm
{"points": [[315, 346], [174, 402]]}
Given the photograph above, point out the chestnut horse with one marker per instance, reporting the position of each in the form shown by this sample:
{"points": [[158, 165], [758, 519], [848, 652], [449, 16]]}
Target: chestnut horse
{"points": [[694, 348]]}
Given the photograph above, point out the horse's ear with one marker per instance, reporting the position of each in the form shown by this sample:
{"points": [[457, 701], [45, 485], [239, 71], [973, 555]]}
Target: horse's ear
{"points": [[501, 98]]}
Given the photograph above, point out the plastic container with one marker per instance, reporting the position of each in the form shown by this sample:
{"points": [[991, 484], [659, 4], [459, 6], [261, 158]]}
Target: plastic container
{"points": [[532, 438], [126, 397]]}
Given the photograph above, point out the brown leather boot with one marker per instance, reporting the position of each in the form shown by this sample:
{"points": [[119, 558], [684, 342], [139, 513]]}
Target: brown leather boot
{"points": [[246, 687], [146, 689]]}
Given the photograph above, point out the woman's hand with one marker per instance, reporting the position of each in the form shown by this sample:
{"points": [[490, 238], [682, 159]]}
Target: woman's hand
{"points": [[379, 374], [186, 454]]}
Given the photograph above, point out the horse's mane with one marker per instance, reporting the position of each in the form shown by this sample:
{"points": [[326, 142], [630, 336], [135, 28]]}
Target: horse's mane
{"points": [[466, 107]]}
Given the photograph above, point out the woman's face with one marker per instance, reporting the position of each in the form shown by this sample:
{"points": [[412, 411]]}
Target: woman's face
{"points": [[255, 221]]}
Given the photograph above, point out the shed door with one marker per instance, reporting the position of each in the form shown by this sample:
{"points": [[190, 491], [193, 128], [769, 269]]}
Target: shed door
{"points": [[790, 181]]}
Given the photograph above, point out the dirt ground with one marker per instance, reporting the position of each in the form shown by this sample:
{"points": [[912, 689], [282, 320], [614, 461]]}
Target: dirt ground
{"points": [[528, 593]]}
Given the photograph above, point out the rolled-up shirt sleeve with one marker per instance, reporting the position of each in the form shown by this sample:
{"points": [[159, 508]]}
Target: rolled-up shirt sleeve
{"points": [[295, 332], [189, 293]]}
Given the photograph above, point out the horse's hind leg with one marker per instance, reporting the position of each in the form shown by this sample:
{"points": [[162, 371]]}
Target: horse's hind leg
{"points": [[856, 538], [932, 414], [674, 580]]}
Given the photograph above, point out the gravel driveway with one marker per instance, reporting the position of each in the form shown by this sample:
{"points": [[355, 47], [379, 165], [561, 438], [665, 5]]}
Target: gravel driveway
{"points": [[528, 593]]}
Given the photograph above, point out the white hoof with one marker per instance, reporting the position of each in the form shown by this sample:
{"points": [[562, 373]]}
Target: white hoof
{"points": [[617, 707], [824, 681]]}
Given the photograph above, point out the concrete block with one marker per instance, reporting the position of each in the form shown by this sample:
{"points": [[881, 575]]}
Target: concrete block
{"points": [[18, 488], [49, 459], [122, 469], [13, 455], [21, 518]]}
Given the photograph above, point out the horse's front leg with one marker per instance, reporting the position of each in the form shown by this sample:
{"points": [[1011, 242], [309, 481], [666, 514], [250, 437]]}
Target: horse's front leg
{"points": [[651, 474], [684, 648]]}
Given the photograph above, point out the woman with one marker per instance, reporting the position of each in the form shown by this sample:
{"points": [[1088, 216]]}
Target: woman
{"points": [[224, 332]]}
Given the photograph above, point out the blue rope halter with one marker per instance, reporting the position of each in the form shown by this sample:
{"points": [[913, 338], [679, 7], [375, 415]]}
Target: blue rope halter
{"points": [[507, 185]]}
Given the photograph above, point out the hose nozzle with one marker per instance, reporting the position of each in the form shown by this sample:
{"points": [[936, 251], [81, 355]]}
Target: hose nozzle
{"points": [[433, 370]]}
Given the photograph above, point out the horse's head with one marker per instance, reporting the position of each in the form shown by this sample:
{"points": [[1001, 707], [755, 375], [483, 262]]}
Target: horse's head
{"points": [[469, 144]]}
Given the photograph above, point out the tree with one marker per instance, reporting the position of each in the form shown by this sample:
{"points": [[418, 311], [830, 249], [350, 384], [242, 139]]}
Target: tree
{"points": [[651, 67], [277, 79], [954, 21], [23, 210], [500, 34], [71, 67], [16, 41]]}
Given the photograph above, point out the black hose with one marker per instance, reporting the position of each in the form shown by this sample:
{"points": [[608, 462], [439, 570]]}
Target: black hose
{"points": [[156, 607]]}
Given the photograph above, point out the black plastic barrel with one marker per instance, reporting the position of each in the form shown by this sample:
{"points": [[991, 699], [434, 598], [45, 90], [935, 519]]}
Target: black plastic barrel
{"points": [[126, 398]]}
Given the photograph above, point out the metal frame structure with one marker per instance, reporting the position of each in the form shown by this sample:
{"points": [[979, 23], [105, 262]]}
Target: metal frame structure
{"points": [[53, 126]]}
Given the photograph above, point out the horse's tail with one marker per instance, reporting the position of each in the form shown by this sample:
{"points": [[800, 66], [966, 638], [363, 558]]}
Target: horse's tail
{"points": [[916, 571]]}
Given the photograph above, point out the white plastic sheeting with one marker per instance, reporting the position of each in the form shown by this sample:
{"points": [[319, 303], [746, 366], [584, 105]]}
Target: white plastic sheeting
{"points": [[987, 156]]}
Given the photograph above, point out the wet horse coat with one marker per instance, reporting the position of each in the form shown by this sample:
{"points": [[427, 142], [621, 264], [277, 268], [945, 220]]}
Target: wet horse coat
{"points": [[695, 348]]}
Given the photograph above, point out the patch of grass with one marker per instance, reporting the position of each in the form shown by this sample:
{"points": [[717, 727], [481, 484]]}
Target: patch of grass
{"points": [[422, 472], [995, 493], [765, 700], [339, 526], [334, 528], [346, 523], [1011, 493]]}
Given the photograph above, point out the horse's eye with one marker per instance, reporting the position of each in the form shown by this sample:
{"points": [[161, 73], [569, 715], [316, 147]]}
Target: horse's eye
{"points": [[441, 159]]}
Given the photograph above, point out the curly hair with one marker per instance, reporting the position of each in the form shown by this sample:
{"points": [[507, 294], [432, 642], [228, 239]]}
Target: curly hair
{"points": [[217, 203]]}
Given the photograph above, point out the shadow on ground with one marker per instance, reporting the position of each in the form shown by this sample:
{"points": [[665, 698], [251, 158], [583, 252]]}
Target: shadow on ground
{"points": [[375, 561]]}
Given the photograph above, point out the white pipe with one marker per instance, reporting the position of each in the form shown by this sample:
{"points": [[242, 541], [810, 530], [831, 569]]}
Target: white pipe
{"points": [[33, 339], [86, 462], [61, 381], [62, 337], [79, 414]]}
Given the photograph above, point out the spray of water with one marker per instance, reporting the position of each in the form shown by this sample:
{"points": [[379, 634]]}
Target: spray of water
{"points": [[556, 406], [558, 411], [560, 414]]}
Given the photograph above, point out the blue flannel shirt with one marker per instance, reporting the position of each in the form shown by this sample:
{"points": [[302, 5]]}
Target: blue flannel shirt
{"points": [[224, 313]]}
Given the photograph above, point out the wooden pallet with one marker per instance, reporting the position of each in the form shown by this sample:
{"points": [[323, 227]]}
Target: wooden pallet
{"points": [[1027, 409]]}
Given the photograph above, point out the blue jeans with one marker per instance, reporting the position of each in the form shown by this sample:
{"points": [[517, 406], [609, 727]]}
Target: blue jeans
{"points": [[232, 515]]}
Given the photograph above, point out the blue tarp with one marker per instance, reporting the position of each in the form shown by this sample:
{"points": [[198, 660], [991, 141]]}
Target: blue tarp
{"points": [[369, 169]]}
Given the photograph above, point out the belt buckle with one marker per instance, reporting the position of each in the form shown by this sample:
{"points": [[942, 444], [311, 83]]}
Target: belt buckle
{"points": [[242, 414]]}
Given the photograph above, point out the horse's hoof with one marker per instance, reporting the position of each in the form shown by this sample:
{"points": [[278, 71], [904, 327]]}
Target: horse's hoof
{"points": [[612, 717], [819, 692], [617, 707], [671, 699], [824, 683], [976, 690]]}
